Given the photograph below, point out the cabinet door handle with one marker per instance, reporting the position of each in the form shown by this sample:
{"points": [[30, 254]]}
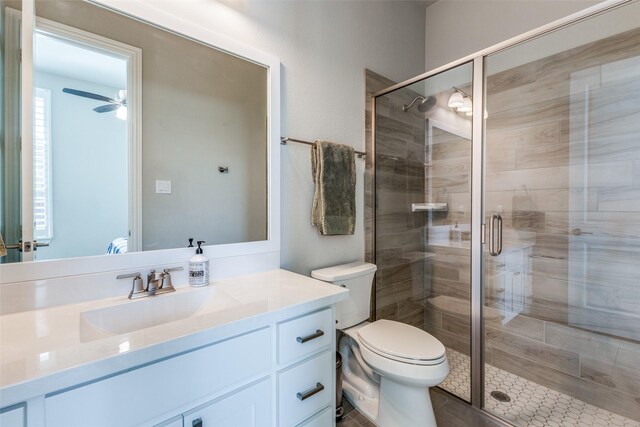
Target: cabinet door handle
{"points": [[307, 394], [318, 334], [196, 423]]}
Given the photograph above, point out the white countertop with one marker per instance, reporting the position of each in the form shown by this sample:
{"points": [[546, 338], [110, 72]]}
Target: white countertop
{"points": [[42, 351]]}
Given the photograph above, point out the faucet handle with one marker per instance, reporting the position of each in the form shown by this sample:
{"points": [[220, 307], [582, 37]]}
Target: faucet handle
{"points": [[137, 286], [166, 278], [128, 275]]}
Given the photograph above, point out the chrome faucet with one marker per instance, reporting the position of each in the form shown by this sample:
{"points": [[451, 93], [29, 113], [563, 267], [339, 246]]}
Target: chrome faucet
{"points": [[156, 284]]}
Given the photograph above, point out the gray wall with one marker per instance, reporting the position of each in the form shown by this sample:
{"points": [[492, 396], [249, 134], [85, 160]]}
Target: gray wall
{"points": [[89, 171], [455, 29], [323, 48]]}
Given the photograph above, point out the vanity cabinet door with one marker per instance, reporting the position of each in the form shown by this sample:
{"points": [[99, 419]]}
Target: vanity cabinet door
{"points": [[173, 422], [142, 394], [250, 407], [12, 417]]}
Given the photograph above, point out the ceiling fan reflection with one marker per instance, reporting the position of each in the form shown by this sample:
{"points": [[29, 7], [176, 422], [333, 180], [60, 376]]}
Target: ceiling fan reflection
{"points": [[118, 103]]}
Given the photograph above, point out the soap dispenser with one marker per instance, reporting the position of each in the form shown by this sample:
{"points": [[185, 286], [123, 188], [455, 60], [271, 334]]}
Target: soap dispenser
{"points": [[199, 268]]}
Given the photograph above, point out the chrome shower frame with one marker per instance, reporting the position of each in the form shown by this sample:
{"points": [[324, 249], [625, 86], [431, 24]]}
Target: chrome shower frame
{"points": [[477, 171]]}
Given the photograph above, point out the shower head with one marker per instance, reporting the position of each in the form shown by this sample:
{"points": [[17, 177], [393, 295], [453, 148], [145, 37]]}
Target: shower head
{"points": [[425, 104]]}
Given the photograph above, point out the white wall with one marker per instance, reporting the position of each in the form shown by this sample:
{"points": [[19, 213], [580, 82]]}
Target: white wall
{"points": [[89, 171], [323, 47], [457, 28]]}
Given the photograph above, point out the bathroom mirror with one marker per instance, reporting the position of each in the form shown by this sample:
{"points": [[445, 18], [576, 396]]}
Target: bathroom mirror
{"points": [[146, 135]]}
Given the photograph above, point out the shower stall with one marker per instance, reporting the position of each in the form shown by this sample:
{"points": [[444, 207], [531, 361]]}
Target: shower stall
{"points": [[506, 219]]}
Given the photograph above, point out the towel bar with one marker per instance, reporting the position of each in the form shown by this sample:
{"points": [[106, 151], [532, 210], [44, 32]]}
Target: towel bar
{"points": [[285, 139]]}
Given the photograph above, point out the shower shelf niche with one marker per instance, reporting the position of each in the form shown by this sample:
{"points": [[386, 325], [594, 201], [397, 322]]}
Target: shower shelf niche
{"points": [[421, 207]]}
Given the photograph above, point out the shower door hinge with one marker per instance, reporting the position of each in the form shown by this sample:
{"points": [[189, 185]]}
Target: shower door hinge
{"points": [[482, 233]]}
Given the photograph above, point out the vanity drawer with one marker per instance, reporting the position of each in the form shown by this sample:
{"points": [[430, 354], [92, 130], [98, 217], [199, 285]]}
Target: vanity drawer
{"points": [[305, 389], [305, 335], [323, 419]]}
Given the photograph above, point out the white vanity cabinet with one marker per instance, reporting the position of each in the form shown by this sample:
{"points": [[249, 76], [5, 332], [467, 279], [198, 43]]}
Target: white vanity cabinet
{"points": [[142, 394], [507, 278], [306, 353], [173, 422], [12, 416], [280, 374], [249, 407], [260, 351]]}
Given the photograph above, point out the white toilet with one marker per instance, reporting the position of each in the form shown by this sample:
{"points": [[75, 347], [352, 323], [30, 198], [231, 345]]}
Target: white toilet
{"points": [[387, 366]]}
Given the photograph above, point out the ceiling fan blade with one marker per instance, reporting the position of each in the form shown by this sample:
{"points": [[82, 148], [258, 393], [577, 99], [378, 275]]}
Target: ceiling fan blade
{"points": [[88, 95], [106, 108]]}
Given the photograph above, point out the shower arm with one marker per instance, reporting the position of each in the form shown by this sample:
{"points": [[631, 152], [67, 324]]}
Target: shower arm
{"points": [[406, 107]]}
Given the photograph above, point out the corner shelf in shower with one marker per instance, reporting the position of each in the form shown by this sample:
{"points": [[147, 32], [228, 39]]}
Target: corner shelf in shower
{"points": [[430, 207]]}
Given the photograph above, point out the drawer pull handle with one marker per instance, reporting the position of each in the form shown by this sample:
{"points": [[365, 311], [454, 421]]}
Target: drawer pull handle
{"points": [[307, 394], [318, 334]]}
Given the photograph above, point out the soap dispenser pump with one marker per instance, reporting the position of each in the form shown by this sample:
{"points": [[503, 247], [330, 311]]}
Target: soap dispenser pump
{"points": [[199, 268]]}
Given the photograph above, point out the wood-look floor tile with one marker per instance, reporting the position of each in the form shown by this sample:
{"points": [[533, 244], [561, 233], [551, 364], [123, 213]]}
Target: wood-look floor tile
{"points": [[457, 414]]}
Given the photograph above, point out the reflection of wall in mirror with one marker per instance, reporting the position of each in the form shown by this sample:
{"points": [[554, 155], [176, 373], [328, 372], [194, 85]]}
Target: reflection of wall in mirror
{"points": [[201, 109], [89, 171]]}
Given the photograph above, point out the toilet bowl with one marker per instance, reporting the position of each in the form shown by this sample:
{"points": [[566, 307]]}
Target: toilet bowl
{"points": [[387, 366]]}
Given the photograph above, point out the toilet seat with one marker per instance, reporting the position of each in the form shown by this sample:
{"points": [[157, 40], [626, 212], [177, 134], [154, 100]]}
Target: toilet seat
{"points": [[402, 343]]}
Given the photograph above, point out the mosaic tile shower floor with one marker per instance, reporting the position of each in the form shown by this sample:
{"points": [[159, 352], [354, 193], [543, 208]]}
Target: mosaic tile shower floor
{"points": [[531, 404]]}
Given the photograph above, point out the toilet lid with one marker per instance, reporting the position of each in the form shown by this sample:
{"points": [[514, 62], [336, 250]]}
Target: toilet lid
{"points": [[401, 341]]}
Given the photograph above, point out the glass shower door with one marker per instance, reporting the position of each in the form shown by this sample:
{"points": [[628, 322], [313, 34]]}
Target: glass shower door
{"points": [[422, 214], [561, 191]]}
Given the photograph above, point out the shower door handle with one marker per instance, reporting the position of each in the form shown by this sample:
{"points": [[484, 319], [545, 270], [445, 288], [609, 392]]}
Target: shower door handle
{"points": [[495, 235]]}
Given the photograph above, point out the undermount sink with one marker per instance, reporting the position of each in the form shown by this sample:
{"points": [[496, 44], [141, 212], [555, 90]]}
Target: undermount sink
{"points": [[135, 315]]}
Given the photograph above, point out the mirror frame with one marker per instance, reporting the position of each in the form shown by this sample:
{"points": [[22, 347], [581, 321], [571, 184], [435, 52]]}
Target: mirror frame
{"points": [[145, 11]]}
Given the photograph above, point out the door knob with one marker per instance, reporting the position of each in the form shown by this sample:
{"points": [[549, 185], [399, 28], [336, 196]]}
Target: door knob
{"points": [[26, 246], [578, 232]]}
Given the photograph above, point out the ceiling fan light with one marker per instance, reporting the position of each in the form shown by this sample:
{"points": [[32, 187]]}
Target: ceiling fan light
{"points": [[466, 105], [455, 100], [121, 112]]}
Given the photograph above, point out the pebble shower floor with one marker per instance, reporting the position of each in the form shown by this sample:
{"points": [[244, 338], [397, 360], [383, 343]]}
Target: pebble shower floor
{"points": [[531, 404]]}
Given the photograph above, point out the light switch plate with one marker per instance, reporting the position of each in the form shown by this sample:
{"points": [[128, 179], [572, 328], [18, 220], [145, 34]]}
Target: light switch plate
{"points": [[163, 187]]}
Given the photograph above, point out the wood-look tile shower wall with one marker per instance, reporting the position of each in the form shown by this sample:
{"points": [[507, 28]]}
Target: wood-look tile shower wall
{"points": [[400, 248]]}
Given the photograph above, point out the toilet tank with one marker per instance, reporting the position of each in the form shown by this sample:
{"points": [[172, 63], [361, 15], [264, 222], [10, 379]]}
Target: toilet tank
{"points": [[358, 278]]}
